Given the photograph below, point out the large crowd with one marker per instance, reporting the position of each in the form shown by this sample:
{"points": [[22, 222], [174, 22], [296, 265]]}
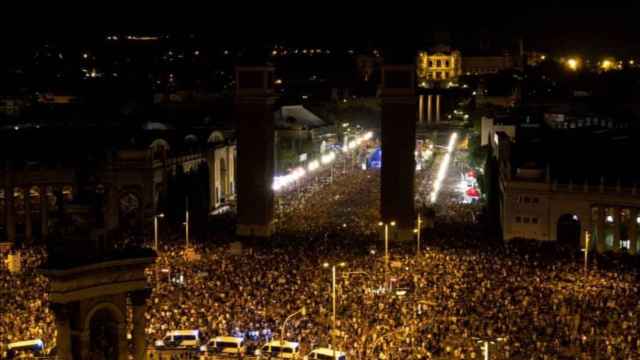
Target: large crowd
{"points": [[531, 303]]}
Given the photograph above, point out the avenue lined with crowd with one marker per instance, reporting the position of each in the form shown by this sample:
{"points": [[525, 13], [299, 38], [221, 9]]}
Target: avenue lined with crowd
{"points": [[533, 302]]}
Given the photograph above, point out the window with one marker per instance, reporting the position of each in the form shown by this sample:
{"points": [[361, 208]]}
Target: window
{"points": [[526, 220], [625, 244], [430, 63], [527, 200], [518, 219], [446, 63], [535, 200], [438, 63], [534, 220]]}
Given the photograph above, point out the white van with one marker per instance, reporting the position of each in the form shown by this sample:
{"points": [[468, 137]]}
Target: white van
{"points": [[279, 349], [225, 345], [180, 339], [27, 348], [325, 354]]}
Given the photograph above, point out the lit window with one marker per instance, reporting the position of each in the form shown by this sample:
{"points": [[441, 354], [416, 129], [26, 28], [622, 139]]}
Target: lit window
{"points": [[638, 220], [625, 244]]}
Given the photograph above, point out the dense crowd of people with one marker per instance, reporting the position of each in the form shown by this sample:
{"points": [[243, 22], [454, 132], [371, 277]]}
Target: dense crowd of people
{"points": [[531, 303]]}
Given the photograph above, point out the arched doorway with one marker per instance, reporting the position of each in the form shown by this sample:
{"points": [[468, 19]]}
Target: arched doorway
{"points": [[568, 230], [104, 339]]}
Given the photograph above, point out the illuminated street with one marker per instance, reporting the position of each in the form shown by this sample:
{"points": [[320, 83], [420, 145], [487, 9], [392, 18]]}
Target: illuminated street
{"points": [[415, 186]]}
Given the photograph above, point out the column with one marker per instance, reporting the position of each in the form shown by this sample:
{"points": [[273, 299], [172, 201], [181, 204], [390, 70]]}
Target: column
{"points": [[600, 244], [255, 99], [633, 231], [28, 225], [616, 229], [63, 326], [139, 303], [398, 145], [437, 109], [421, 109], [44, 212], [429, 108], [123, 346], [85, 344]]}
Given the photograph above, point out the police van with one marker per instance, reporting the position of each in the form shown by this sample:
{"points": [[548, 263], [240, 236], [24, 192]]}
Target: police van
{"points": [[225, 346], [26, 349], [180, 339], [325, 354], [279, 349]]}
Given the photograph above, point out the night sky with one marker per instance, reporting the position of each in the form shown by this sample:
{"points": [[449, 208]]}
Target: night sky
{"points": [[585, 30]]}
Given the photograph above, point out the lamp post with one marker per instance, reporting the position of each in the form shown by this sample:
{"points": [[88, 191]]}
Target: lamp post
{"points": [[186, 223], [485, 345], [386, 250], [155, 230], [587, 240], [418, 232], [302, 311], [333, 304], [155, 242]]}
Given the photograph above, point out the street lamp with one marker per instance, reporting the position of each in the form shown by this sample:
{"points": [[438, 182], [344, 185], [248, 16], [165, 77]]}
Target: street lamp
{"points": [[587, 240], [155, 242], [386, 250], [302, 311], [418, 231], [155, 230], [485, 345], [333, 303], [186, 222]]}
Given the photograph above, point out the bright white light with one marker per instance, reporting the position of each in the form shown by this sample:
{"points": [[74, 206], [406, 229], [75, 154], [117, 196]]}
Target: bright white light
{"points": [[444, 166], [609, 218], [313, 165], [328, 158], [368, 135]]}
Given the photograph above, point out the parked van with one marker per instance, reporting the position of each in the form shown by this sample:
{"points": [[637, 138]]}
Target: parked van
{"points": [[325, 354], [26, 349], [225, 345], [180, 339], [279, 349]]}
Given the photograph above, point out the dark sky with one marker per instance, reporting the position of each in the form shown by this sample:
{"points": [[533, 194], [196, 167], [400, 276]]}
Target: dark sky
{"points": [[589, 30]]}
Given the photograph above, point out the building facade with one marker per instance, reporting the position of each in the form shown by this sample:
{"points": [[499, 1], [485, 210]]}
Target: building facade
{"points": [[536, 201], [441, 64], [481, 65], [129, 181]]}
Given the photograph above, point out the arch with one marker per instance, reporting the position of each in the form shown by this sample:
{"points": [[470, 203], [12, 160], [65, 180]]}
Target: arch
{"points": [[159, 143], [215, 137], [191, 138], [113, 308], [568, 230], [159, 148], [104, 327]]}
